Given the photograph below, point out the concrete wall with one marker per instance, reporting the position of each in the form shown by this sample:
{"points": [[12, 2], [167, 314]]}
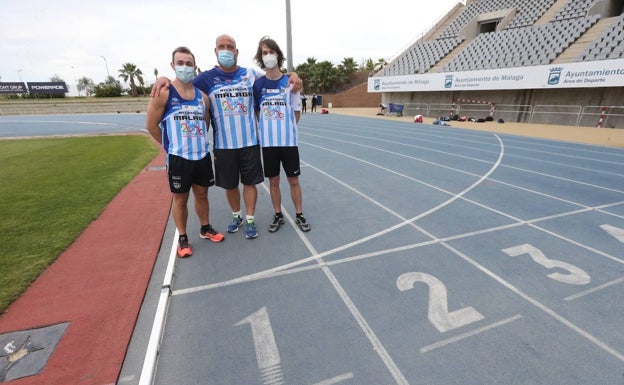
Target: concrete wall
{"points": [[74, 106], [357, 96]]}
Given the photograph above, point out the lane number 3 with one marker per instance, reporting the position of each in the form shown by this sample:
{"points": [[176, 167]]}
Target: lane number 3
{"points": [[574, 276]]}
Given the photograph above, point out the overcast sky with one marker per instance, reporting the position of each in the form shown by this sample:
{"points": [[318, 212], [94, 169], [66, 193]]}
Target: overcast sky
{"points": [[71, 38]]}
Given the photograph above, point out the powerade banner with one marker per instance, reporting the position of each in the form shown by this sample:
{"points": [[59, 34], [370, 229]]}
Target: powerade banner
{"points": [[13, 88], [48, 88], [602, 73]]}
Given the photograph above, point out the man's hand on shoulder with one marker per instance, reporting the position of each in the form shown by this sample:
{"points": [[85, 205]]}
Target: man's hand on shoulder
{"points": [[296, 81], [161, 82]]}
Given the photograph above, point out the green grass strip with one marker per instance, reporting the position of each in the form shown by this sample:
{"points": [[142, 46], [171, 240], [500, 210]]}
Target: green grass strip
{"points": [[50, 190]]}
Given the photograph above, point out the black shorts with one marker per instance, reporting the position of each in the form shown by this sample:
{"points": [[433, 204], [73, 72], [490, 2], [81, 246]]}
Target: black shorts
{"points": [[241, 164], [288, 157], [183, 173]]}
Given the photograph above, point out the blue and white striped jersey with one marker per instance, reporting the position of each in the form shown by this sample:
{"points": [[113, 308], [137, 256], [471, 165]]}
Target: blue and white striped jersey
{"points": [[277, 104], [184, 130], [231, 106]]}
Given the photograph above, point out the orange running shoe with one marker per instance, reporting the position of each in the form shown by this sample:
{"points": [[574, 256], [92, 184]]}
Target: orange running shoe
{"points": [[184, 249], [207, 232]]}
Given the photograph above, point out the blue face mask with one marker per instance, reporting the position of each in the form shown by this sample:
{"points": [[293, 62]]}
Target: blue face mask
{"points": [[184, 73], [226, 58]]}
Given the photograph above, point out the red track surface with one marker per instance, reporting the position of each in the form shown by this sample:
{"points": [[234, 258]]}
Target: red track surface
{"points": [[98, 285]]}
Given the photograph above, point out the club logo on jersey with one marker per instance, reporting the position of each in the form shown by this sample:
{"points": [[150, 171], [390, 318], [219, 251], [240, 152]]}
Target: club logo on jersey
{"points": [[235, 107], [272, 113], [191, 129]]}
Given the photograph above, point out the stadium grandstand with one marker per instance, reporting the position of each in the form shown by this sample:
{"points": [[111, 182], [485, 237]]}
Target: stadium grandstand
{"points": [[541, 61]]}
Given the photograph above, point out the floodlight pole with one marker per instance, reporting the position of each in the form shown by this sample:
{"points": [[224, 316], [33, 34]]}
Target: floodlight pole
{"points": [[289, 58], [106, 64], [75, 80]]}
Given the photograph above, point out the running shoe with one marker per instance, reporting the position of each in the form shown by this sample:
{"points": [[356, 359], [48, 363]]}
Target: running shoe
{"points": [[278, 220], [207, 232], [237, 222], [302, 223], [184, 249], [250, 230]]}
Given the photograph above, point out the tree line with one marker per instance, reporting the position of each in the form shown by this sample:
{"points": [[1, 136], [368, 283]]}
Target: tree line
{"points": [[318, 77]]}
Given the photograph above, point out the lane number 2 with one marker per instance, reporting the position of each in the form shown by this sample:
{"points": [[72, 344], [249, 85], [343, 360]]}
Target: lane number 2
{"points": [[438, 313]]}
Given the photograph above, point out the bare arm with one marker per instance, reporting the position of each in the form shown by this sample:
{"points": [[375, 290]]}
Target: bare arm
{"points": [[155, 112]]}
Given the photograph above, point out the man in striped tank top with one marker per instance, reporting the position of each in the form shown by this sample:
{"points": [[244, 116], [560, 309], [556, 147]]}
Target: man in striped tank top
{"points": [[177, 120], [278, 109]]}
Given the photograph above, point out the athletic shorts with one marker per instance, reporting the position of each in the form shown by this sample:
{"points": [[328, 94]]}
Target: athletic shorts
{"points": [[241, 164], [183, 173], [288, 157]]}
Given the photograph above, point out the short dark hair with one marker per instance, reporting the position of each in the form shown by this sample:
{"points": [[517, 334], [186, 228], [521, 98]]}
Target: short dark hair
{"points": [[182, 49], [271, 44]]}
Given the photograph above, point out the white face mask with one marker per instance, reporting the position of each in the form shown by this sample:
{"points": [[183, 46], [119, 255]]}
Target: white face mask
{"points": [[270, 61], [184, 73]]}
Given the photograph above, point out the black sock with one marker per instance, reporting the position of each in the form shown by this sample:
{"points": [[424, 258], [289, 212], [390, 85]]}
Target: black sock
{"points": [[279, 215], [299, 215], [183, 238]]}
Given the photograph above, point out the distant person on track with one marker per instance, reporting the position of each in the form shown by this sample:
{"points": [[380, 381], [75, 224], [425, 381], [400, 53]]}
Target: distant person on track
{"points": [[177, 120], [304, 103], [278, 109], [314, 102]]}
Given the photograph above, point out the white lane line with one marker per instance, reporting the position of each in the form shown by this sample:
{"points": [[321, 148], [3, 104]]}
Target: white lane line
{"points": [[602, 345], [581, 245], [153, 345], [336, 379], [316, 256], [364, 326], [292, 267], [355, 312], [594, 289], [480, 143], [460, 171], [471, 333]]}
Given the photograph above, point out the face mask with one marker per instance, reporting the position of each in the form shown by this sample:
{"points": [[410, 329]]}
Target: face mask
{"points": [[270, 61], [225, 58], [184, 73]]}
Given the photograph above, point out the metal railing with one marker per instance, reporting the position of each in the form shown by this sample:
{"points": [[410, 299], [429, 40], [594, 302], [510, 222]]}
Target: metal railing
{"points": [[569, 115]]}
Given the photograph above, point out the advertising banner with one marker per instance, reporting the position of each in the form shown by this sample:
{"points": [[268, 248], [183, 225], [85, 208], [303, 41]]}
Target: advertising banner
{"points": [[47, 87], [603, 73], [12, 88]]}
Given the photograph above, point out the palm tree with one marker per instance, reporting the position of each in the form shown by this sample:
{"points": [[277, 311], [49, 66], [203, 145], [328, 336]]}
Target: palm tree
{"points": [[348, 66], [381, 63], [85, 84], [130, 72]]}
